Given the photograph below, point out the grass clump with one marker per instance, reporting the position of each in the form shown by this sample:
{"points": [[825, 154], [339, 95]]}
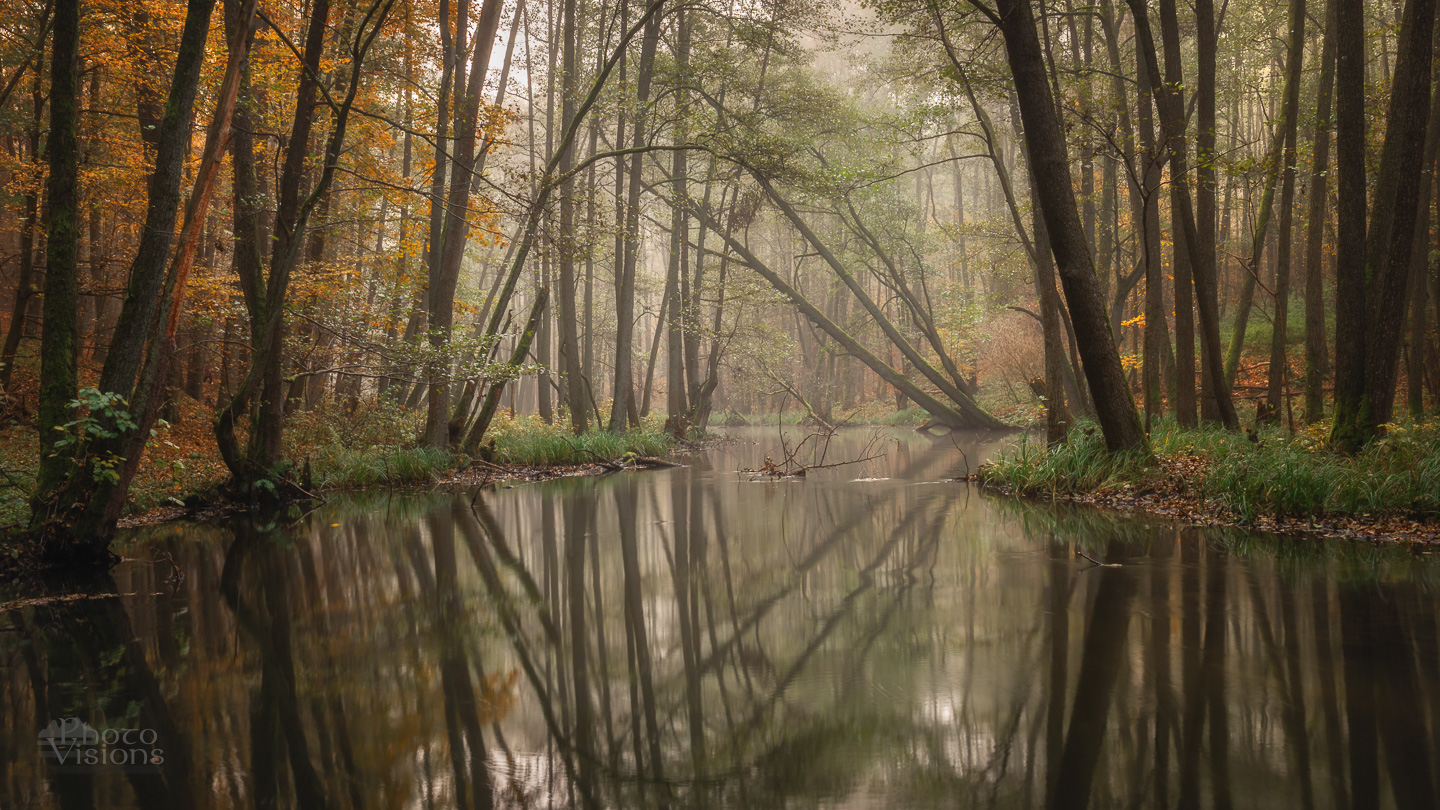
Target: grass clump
{"points": [[910, 417], [340, 467], [376, 450], [371, 445], [1271, 473], [529, 441], [1081, 464]]}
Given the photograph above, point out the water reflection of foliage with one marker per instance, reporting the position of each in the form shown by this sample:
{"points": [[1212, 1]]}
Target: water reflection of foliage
{"points": [[670, 640]]}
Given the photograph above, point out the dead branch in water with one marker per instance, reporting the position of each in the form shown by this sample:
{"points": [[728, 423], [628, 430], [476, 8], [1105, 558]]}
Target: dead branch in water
{"points": [[1095, 561]]}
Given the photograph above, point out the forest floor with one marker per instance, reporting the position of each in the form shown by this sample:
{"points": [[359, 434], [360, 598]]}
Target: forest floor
{"points": [[1269, 480]]}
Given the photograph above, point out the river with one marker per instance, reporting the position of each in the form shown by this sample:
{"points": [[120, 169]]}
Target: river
{"points": [[868, 635]]}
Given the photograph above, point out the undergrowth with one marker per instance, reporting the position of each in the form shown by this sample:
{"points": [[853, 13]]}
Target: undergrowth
{"points": [[1275, 473], [345, 468], [345, 457], [529, 440]]}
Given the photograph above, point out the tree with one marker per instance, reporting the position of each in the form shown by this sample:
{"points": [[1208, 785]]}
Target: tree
{"points": [[1202, 258], [1316, 355], [1050, 173], [82, 488], [58, 343], [1279, 363], [1371, 295], [262, 456]]}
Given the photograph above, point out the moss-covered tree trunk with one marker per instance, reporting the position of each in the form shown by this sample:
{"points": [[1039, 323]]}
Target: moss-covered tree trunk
{"points": [[59, 340]]}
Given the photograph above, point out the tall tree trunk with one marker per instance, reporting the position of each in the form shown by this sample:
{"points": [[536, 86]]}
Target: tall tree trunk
{"points": [[94, 490], [268, 417], [58, 339], [574, 381], [1350, 134], [1202, 259], [1317, 361], [445, 274], [292, 220], [676, 403], [73, 503], [1184, 380], [1420, 261], [532, 225], [1050, 173], [624, 386], [1057, 416], [1370, 312], [1206, 43], [25, 278], [1279, 358], [1154, 306]]}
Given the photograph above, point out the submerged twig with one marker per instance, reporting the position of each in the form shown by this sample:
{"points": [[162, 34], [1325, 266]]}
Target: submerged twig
{"points": [[1095, 561]]}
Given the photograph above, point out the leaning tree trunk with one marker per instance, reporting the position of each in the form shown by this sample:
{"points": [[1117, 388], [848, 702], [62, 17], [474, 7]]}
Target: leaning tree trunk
{"points": [[955, 416], [1050, 172]]}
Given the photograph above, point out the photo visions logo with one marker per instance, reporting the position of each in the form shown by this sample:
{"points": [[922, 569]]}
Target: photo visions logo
{"points": [[70, 745]]}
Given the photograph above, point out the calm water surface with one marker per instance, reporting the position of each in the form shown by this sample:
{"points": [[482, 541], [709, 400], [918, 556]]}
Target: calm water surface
{"points": [[868, 636]]}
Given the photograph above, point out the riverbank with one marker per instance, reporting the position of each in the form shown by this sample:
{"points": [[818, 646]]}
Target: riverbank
{"points": [[1268, 480], [181, 475]]}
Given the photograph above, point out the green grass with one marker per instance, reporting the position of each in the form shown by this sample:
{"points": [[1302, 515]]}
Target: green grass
{"points": [[340, 467], [529, 441], [526, 441], [1081, 464], [1283, 475], [910, 417]]}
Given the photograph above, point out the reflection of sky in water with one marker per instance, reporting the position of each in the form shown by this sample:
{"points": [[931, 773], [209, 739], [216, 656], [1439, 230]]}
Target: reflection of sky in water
{"points": [[867, 636]]}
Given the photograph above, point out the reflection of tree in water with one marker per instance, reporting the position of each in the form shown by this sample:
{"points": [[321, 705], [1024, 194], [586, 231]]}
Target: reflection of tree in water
{"points": [[659, 640], [83, 659], [717, 710]]}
